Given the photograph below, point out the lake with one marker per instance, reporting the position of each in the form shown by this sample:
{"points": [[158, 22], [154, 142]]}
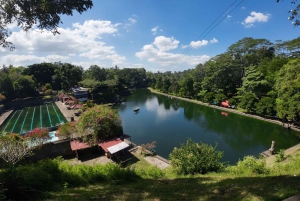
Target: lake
{"points": [[170, 122]]}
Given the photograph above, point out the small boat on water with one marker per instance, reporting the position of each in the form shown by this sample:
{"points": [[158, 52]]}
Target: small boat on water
{"points": [[136, 109]]}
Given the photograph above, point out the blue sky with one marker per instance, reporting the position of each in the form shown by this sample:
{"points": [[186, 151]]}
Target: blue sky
{"points": [[157, 35]]}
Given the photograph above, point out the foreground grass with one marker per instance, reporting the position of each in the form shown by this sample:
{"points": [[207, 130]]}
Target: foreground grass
{"points": [[216, 187], [281, 181]]}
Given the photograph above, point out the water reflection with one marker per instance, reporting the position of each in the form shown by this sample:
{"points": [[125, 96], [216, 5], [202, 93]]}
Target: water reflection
{"points": [[170, 122]]}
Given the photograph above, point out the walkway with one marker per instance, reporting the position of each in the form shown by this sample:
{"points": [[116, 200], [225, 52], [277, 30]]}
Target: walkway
{"points": [[67, 113], [4, 115]]}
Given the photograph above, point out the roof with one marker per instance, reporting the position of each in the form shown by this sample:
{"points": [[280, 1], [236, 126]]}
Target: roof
{"points": [[117, 147], [114, 145], [61, 95], [77, 106], [77, 145]]}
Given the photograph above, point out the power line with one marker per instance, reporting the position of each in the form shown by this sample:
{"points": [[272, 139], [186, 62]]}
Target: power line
{"points": [[207, 29]]}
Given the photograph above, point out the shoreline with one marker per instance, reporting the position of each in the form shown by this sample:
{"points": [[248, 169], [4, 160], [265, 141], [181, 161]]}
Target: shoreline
{"points": [[291, 150], [225, 109]]}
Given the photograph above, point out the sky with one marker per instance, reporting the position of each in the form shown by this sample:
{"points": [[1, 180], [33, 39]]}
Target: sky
{"points": [[168, 35]]}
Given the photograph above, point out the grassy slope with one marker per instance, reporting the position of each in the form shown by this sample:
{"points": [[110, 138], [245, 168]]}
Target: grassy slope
{"points": [[222, 186]]}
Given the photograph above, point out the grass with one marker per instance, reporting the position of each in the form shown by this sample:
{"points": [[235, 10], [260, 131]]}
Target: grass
{"points": [[282, 181]]}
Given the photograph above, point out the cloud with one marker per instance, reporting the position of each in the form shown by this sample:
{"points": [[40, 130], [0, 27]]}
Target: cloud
{"points": [[155, 29], [255, 17], [214, 40], [229, 16], [157, 53], [132, 21], [164, 44], [243, 7], [199, 43], [84, 40], [18, 60]]}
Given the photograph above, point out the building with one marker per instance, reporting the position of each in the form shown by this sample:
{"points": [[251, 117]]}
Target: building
{"points": [[81, 93]]}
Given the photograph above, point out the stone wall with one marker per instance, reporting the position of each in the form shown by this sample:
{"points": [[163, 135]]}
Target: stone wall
{"points": [[52, 150]]}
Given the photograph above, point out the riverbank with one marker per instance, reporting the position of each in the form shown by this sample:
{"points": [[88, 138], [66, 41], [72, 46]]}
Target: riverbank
{"points": [[224, 109]]}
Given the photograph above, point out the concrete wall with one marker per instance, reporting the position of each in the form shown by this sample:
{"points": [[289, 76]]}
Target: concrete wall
{"points": [[51, 150]]}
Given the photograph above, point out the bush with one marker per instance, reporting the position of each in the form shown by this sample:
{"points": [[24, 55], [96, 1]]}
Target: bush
{"points": [[280, 156], [48, 92], [209, 97], [192, 158], [249, 166], [219, 98]]}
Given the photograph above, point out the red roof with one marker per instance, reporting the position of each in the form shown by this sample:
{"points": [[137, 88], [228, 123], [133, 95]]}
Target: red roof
{"points": [[77, 145], [77, 106], [110, 143], [61, 95]]}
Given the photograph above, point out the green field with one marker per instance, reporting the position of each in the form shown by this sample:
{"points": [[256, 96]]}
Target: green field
{"points": [[26, 119]]}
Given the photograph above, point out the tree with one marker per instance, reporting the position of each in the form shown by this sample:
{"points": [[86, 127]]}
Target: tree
{"points": [[42, 72], [219, 98], [294, 13], [248, 102], [14, 148], [265, 106], [209, 97], [69, 75], [98, 123], [288, 89], [194, 158], [45, 15]]}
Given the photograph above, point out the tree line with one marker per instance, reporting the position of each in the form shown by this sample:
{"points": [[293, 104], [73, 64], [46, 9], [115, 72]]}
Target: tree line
{"points": [[255, 75]]}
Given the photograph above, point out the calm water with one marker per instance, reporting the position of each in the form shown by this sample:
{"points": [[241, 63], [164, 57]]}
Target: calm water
{"points": [[28, 118], [170, 122]]}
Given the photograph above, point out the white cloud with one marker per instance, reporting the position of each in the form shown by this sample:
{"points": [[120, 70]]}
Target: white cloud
{"points": [[229, 16], [195, 44], [255, 17], [18, 60], [132, 21], [156, 53], [84, 40], [199, 43], [154, 30], [214, 40], [243, 8], [165, 44]]}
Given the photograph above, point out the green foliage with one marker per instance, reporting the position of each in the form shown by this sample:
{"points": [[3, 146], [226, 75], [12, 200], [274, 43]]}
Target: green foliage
{"points": [[248, 102], [209, 97], [265, 106], [67, 129], [47, 174], [192, 158], [280, 156], [232, 101], [100, 121], [48, 92], [288, 89], [219, 98], [249, 166], [149, 172]]}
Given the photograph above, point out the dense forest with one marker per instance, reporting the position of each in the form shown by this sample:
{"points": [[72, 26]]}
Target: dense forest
{"points": [[255, 75]]}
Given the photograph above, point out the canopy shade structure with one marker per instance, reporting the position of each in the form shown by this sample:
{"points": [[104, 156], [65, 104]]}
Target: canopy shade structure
{"points": [[117, 147], [113, 145]]}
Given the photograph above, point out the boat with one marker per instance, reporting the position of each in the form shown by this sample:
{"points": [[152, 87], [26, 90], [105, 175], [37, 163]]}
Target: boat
{"points": [[136, 109]]}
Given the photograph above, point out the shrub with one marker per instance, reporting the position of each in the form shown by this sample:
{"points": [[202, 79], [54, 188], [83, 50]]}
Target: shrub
{"points": [[48, 92], [249, 166], [280, 156], [192, 158], [209, 97], [219, 98], [100, 121]]}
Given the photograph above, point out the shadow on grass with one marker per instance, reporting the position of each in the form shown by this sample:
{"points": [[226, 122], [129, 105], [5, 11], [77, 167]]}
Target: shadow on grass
{"points": [[202, 188]]}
